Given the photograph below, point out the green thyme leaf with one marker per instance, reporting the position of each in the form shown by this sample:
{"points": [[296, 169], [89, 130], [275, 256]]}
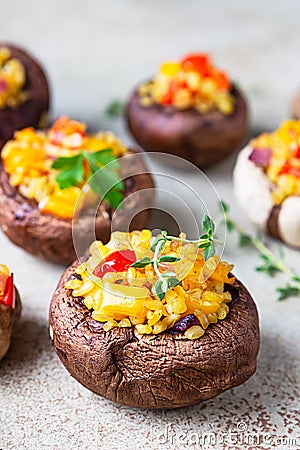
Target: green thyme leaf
{"points": [[157, 240], [269, 267], [244, 240], [208, 225], [142, 262], [287, 291], [172, 282], [158, 289], [115, 108], [224, 207], [168, 274], [209, 251], [168, 258]]}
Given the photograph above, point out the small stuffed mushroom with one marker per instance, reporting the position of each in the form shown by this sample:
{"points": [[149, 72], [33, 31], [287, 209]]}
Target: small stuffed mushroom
{"points": [[10, 308], [189, 109], [152, 324], [24, 92], [267, 182], [46, 178]]}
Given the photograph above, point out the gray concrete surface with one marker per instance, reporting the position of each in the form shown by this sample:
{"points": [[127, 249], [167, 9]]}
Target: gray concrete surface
{"points": [[94, 51]]}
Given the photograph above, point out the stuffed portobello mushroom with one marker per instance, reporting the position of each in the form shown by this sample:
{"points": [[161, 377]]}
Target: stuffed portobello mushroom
{"points": [[47, 177], [189, 109], [267, 182], [154, 322], [10, 308], [24, 92]]}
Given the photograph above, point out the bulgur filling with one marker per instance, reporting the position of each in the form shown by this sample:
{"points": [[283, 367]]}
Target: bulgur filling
{"points": [[118, 283], [12, 80], [29, 158], [278, 154], [192, 82]]}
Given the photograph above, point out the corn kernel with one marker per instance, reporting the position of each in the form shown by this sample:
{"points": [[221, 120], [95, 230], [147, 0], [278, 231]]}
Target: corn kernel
{"points": [[86, 287], [143, 329], [124, 323], [73, 284], [109, 325], [194, 332]]}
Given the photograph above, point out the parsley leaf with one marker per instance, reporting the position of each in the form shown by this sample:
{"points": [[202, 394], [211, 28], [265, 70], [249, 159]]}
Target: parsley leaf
{"points": [[105, 182]]}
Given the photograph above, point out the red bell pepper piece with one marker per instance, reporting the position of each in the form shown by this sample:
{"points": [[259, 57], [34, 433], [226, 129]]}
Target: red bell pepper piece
{"points": [[118, 261], [168, 98], [288, 169], [198, 62], [9, 293]]}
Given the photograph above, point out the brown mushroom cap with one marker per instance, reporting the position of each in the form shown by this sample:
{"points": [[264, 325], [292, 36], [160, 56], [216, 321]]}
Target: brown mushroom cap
{"points": [[50, 237], [35, 109], [155, 371], [8, 317], [296, 105], [200, 138]]}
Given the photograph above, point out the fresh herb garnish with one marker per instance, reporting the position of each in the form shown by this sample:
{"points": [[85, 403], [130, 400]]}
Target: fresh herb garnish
{"points": [[271, 264], [115, 108], [167, 280], [105, 182]]}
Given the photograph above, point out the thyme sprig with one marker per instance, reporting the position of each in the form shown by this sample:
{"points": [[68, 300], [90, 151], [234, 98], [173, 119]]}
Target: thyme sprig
{"points": [[167, 280], [115, 108], [271, 263]]}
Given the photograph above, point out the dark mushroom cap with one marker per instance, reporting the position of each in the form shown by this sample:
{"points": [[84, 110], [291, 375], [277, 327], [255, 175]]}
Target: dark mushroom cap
{"points": [[200, 138], [50, 237], [155, 371], [34, 111], [296, 105], [8, 318]]}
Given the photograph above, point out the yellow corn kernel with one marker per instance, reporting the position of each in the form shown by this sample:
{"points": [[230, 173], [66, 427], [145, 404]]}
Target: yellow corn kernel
{"points": [[153, 317], [89, 302], [153, 304], [143, 329], [73, 284], [159, 327], [137, 320], [100, 317], [194, 332], [146, 101], [4, 270], [211, 297], [176, 305], [109, 325], [202, 318], [170, 320], [170, 68], [212, 318], [86, 288], [193, 80], [99, 250], [124, 323], [222, 311], [182, 99]]}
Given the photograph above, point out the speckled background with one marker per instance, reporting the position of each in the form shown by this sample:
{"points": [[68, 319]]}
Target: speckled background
{"points": [[94, 51]]}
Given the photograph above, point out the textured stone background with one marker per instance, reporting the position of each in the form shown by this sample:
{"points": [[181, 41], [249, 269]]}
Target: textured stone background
{"points": [[94, 51]]}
